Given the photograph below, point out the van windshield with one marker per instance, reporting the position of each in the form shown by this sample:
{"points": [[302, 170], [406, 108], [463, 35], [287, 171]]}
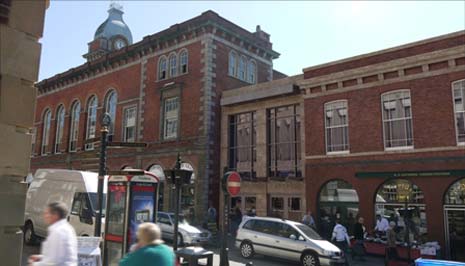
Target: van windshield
{"points": [[309, 231], [93, 196]]}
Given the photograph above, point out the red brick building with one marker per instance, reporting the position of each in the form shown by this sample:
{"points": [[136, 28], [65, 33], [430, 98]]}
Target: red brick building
{"points": [[163, 90], [380, 133], [386, 130]]}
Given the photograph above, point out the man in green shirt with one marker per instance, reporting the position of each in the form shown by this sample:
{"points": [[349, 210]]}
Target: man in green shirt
{"points": [[150, 249]]}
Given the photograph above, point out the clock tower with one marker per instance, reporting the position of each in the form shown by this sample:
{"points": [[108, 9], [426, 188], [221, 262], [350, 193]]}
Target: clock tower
{"points": [[112, 34]]}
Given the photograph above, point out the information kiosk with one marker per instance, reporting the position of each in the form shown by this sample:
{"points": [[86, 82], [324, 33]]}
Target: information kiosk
{"points": [[132, 199]]}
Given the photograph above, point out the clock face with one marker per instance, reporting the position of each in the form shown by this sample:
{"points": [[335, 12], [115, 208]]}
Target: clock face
{"points": [[119, 43]]}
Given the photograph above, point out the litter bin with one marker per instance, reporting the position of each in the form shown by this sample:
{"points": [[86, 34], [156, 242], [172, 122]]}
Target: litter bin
{"points": [[89, 251], [192, 255]]}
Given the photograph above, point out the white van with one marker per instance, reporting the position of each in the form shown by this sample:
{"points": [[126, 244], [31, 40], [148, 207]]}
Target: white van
{"points": [[77, 189]]}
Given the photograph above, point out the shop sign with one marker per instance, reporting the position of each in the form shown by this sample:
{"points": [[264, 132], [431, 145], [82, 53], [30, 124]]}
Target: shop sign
{"points": [[440, 173]]}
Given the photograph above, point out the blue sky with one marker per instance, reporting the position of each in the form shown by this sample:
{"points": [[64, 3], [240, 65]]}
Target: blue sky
{"points": [[304, 33]]}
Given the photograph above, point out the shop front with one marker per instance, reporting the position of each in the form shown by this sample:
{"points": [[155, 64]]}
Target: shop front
{"points": [[454, 220]]}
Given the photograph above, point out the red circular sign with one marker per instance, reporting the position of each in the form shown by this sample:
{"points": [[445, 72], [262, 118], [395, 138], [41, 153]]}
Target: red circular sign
{"points": [[233, 183]]}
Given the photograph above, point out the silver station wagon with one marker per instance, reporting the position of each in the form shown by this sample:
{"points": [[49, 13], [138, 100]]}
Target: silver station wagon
{"points": [[286, 239]]}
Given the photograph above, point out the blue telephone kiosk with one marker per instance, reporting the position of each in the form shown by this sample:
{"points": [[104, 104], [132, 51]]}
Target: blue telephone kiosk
{"points": [[132, 199]]}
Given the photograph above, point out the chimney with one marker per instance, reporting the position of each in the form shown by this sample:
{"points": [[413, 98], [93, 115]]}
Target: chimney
{"points": [[261, 34]]}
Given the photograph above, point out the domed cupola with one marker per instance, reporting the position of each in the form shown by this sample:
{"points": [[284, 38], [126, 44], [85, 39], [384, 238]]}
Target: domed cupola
{"points": [[112, 34]]}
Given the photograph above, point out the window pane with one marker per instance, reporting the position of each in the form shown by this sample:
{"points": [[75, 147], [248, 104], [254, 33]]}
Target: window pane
{"points": [[232, 64], [173, 66], [171, 114], [397, 119], [242, 144], [337, 127], [162, 69]]}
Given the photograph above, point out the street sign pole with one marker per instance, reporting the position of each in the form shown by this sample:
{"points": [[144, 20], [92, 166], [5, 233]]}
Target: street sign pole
{"points": [[106, 120]]}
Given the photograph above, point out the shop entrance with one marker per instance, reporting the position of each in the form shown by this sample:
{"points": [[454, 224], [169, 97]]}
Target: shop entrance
{"points": [[454, 221], [455, 233]]}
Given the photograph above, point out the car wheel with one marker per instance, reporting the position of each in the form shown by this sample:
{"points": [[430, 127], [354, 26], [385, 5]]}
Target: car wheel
{"points": [[29, 236], [309, 259], [246, 249], [180, 240]]}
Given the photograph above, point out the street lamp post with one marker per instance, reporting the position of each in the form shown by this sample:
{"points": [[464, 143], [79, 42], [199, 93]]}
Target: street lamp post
{"points": [[105, 123], [177, 177]]}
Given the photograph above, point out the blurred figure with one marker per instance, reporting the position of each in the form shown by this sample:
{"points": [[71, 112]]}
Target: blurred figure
{"points": [[359, 234], [252, 212], [211, 213], [391, 242], [382, 225], [341, 237], [308, 219], [149, 249], [325, 227], [60, 246]]}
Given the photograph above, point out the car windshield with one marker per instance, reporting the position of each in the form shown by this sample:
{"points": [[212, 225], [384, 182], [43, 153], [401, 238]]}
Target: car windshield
{"points": [[182, 219], [309, 232], [94, 200]]}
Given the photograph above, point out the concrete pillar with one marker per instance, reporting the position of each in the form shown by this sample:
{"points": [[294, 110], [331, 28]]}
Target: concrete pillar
{"points": [[21, 26]]}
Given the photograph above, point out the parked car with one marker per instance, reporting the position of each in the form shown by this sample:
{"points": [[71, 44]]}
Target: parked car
{"points": [[286, 239], [187, 234], [77, 189]]}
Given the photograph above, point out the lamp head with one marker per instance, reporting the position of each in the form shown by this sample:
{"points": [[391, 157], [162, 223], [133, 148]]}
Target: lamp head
{"points": [[106, 119]]}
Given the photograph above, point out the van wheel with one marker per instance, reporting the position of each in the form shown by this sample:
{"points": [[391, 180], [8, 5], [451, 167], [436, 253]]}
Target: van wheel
{"points": [[29, 237], [246, 249], [309, 259]]}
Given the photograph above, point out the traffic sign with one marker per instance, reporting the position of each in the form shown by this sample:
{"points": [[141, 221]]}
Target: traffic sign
{"points": [[233, 183]]}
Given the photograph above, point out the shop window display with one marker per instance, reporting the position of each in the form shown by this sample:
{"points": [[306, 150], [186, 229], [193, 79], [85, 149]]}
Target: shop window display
{"points": [[401, 201], [454, 209], [338, 200]]}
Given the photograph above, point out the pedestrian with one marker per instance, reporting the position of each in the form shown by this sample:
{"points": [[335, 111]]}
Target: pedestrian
{"points": [[382, 225], [325, 228], [60, 246], [308, 219], [359, 235], [211, 213], [391, 242], [149, 250], [341, 237], [252, 212]]}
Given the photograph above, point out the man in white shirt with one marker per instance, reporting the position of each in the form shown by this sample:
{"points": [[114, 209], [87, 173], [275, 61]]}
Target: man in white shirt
{"points": [[341, 237], [60, 246], [382, 225]]}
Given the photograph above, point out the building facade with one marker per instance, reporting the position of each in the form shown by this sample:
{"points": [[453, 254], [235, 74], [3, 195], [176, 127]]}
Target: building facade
{"points": [[163, 90], [381, 133], [261, 139]]}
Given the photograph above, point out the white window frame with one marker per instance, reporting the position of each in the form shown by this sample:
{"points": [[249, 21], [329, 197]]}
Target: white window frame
{"points": [[126, 112], [326, 106], [459, 143], [252, 76], [110, 111], [397, 119], [232, 66], [242, 68], [162, 68], [90, 118], [173, 65], [170, 116], [59, 130], [183, 54], [74, 126], [47, 120]]}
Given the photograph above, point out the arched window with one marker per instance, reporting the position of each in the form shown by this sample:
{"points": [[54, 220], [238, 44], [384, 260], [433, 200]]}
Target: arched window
{"points": [[110, 108], [173, 65], [162, 68], [454, 211], [74, 126], [183, 58], [241, 69], [338, 200], [91, 121], [456, 194], [252, 72], [46, 131], [401, 201], [60, 121], [232, 63]]}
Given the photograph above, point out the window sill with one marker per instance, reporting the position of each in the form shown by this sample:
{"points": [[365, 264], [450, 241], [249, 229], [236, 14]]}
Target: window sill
{"points": [[461, 144], [330, 153], [168, 78], [245, 81], [402, 148]]}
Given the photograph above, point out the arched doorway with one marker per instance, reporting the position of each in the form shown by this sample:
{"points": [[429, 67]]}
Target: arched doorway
{"points": [[454, 220], [337, 200], [401, 201], [157, 170]]}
